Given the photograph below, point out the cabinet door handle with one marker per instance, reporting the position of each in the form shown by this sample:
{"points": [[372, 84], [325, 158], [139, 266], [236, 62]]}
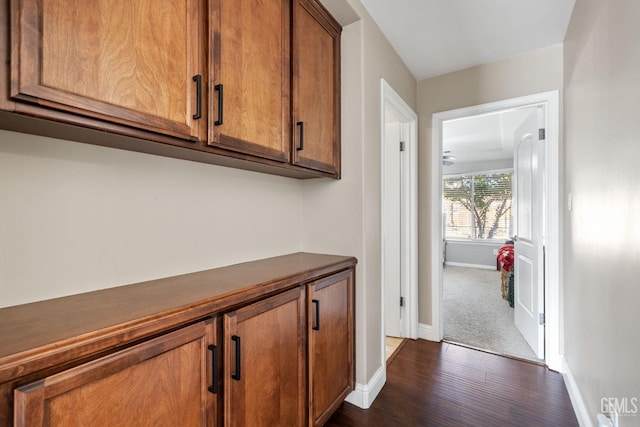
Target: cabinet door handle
{"points": [[198, 80], [214, 368], [236, 374], [300, 146], [316, 327], [220, 89]]}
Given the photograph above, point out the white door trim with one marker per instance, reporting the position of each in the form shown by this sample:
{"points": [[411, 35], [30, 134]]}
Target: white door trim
{"points": [[391, 101], [553, 253]]}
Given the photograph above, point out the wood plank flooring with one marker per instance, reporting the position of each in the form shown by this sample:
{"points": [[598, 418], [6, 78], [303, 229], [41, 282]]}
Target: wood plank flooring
{"points": [[441, 384]]}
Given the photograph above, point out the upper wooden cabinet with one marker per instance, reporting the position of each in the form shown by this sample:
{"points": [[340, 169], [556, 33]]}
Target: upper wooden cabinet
{"points": [[316, 88], [135, 63], [250, 101], [259, 59], [253, 84]]}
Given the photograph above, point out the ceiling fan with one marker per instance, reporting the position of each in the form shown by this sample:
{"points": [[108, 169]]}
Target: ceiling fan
{"points": [[448, 159]]}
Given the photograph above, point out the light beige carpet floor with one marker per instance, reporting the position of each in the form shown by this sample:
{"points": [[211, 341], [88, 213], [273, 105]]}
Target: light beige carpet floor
{"points": [[476, 315], [391, 343]]}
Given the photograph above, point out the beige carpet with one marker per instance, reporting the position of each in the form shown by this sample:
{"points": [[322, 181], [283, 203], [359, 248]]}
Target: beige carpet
{"points": [[476, 315]]}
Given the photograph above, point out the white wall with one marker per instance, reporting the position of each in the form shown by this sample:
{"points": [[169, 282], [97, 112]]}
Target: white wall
{"points": [[76, 217], [602, 231], [472, 253]]}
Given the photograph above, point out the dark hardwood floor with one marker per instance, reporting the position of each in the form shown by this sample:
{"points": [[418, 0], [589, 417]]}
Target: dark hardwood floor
{"points": [[441, 384]]}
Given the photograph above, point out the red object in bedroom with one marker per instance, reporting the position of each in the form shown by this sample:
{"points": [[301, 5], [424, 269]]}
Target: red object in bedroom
{"points": [[505, 257]]}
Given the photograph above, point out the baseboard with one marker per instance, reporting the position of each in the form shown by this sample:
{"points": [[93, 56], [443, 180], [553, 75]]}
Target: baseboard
{"points": [[426, 332], [576, 398], [462, 264], [364, 394], [554, 361]]}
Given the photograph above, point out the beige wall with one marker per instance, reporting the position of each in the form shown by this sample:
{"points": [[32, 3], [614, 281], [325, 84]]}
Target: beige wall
{"points": [[344, 216], [534, 72], [380, 61], [76, 217], [601, 249]]}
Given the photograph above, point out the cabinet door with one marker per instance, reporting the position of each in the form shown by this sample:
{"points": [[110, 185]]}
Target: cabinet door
{"points": [[316, 88], [162, 382], [131, 62], [250, 102], [331, 344], [265, 362]]}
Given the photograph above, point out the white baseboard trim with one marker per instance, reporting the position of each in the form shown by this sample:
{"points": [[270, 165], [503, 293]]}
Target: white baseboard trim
{"points": [[364, 394], [462, 264], [577, 401], [554, 361], [426, 332]]}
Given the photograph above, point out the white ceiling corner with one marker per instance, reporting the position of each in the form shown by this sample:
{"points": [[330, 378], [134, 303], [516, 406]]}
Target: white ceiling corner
{"points": [[341, 11], [435, 37]]}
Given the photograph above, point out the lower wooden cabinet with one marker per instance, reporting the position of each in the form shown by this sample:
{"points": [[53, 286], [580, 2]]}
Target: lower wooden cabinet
{"points": [[331, 345], [162, 382], [276, 353], [265, 364]]}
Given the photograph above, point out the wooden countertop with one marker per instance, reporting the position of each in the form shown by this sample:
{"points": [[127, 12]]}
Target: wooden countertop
{"points": [[38, 335]]}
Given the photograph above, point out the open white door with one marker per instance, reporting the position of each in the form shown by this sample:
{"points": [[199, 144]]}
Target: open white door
{"points": [[392, 233], [529, 226]]}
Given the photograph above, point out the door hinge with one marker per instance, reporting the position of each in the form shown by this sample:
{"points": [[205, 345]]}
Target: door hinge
{"points": [[541, 319], [401, 145], [401, 301], [542, 134]]}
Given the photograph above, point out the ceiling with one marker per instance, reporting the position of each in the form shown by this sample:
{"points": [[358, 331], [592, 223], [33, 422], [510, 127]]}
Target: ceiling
{"points": [[483, 138], [435, 37]]}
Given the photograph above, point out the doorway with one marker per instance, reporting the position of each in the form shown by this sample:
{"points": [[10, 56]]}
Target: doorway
{"points": [[550, 214], [399, 268], [482, 181]]}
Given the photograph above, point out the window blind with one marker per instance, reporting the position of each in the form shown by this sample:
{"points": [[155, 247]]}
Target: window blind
{"points": [[478, 206]]}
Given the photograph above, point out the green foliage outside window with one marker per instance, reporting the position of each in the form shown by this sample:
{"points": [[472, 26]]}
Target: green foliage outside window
{"points": [[478, 206]]}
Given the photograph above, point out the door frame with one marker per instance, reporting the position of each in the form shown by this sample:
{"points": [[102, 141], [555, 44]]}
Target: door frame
{"points": [[408, 119], [552, 212]]}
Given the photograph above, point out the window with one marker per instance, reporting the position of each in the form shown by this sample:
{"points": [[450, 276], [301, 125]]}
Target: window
{"points": [[477, 206]]}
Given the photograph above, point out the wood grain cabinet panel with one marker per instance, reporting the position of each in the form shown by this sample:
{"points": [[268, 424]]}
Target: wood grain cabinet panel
{"points": [[316, 88], [130, 62], [162, 382], [250, 103], [331, 344], [265, 363]]}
